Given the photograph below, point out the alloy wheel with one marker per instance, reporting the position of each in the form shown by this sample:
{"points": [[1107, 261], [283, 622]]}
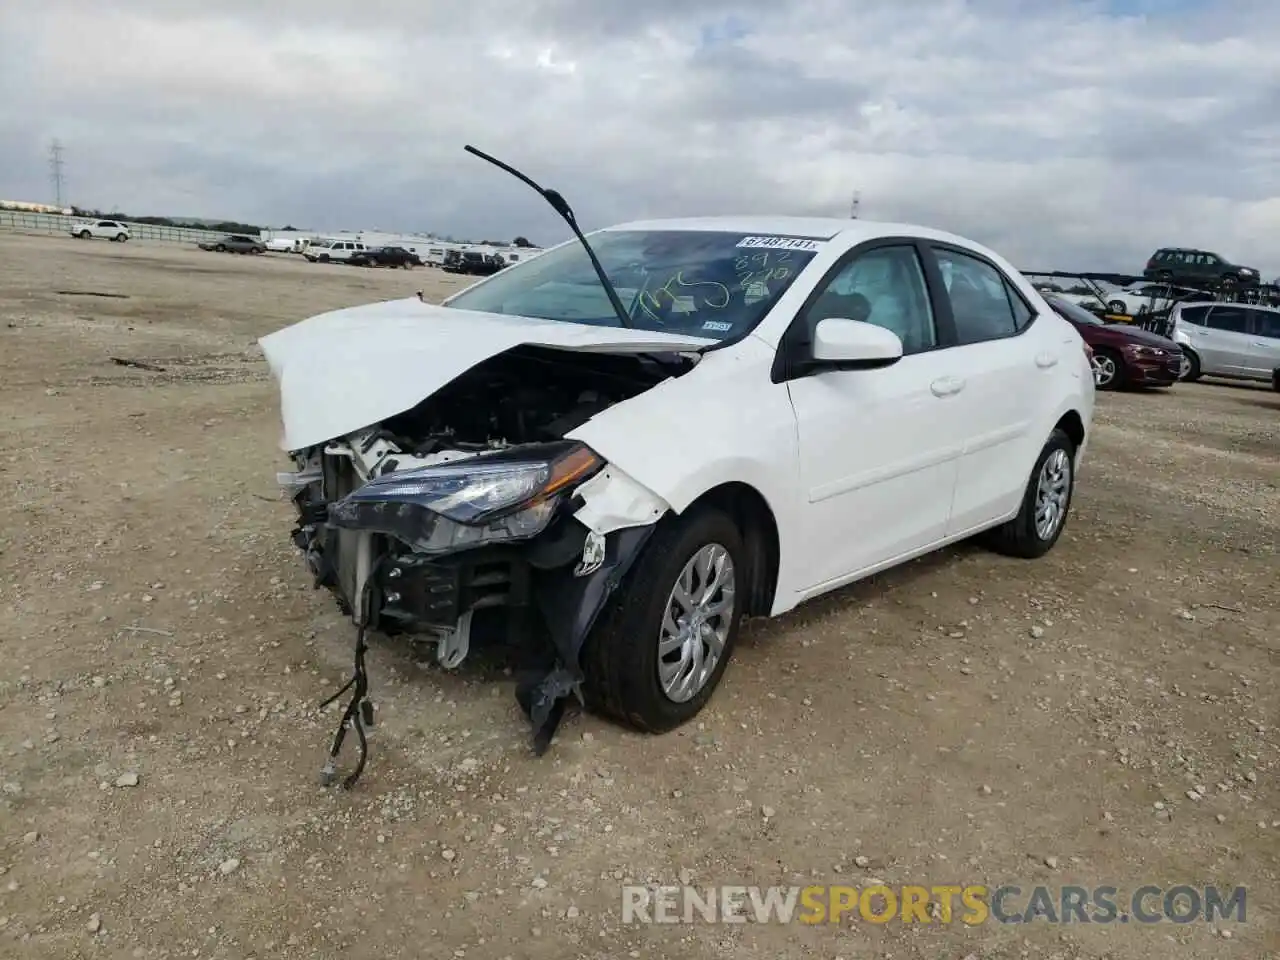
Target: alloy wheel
{"points": [[1052, 491], [695, 625]]}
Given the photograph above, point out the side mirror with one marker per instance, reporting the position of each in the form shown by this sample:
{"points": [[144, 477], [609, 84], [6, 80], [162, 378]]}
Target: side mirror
{"points": [[853, 344]]}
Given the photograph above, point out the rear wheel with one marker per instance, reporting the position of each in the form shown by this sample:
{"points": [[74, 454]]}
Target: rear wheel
{"points": [[1118, 306], [1110, 367], [1045, 504], [662, 645]]}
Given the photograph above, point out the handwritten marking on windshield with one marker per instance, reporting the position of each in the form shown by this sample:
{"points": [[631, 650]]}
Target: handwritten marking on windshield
{"points": [[756, 270], [651, 301]]}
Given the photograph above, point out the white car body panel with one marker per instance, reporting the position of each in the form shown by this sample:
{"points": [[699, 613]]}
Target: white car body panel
{"points": [[860, 469]]}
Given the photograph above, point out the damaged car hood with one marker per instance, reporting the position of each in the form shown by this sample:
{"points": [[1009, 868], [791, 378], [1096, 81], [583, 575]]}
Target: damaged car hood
{"points": [[348, 369]]}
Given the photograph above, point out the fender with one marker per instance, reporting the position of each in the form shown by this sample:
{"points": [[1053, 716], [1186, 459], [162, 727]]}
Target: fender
{"points": [[691, 434]]}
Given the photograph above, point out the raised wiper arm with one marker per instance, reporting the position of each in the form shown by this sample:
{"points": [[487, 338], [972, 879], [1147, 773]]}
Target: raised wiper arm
{"points": [[561, 206]]}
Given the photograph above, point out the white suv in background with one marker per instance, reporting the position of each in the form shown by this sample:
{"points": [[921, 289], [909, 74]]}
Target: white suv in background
{"points": [[333, 251], [101, 230], [1237, 340]]}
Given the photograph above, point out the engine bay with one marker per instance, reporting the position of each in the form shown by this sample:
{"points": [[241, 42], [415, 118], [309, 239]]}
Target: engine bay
{"points": [[525, 395]]}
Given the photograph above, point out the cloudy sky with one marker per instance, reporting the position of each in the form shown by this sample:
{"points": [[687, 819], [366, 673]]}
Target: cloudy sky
{"points": [[1073, 135]]}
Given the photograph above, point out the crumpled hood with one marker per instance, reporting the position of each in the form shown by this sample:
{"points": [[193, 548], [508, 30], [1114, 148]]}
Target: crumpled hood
{"points": [[341, 371]]}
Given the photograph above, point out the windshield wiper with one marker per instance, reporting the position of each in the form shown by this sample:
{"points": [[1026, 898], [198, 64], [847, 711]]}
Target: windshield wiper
{"points": [[561, 206]]}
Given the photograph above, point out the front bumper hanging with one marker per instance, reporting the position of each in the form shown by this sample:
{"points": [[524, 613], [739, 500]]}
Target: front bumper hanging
{"points": [[569, 598]]}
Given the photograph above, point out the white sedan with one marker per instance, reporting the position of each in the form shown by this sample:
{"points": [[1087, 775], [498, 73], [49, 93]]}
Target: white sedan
{"points": [[768, 409], [1134, 301]]}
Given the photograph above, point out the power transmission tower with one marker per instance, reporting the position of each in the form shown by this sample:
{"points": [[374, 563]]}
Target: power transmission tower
{"points": [[56, 164], [853, 207]]}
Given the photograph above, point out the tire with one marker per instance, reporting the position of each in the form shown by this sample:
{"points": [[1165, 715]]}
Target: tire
{"points": [[1192, 366], [1275, 379], [1111, 364], [324, 258], [85, 235], [219, 248], [1118, 306], [1020, 537], [121, 237], [621, 657]]}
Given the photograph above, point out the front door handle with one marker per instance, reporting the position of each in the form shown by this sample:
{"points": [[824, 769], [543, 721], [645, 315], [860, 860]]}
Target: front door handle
{"points": [[1046, 360], [946, 386]]}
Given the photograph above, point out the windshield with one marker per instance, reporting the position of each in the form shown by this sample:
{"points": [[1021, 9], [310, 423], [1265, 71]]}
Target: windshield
{"points": [[712, 284], [1073, 311]]}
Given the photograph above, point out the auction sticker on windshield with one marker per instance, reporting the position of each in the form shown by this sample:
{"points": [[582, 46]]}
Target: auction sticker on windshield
{"points": [[782, 243]]}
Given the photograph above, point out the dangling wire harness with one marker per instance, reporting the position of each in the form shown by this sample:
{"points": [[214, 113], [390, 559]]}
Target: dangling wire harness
{"points": [[359, 712]]}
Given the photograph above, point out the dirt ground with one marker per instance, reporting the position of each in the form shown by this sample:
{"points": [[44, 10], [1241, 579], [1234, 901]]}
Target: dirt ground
{"points": [[1106, 715]]}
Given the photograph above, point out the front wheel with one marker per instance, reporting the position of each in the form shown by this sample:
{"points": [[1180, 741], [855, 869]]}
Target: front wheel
{"points": [[121, 237], [659, 651], [85, 235], [1045, 504], [1189, 371], [1118, 306], [1110, 367]]}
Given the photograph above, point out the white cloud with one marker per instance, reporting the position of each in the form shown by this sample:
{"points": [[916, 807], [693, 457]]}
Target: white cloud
{"points": [[1063, 134]]}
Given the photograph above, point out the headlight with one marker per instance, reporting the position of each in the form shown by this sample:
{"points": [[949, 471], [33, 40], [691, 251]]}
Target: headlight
{"points": [[494, 497], [1141, 351]]}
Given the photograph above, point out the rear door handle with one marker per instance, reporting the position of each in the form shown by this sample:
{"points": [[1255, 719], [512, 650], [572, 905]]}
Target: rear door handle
{"points": [[1046, 360], [946, 386]]}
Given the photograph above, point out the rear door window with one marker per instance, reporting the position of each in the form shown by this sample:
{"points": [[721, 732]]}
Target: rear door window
{"points": [[981, 302]]}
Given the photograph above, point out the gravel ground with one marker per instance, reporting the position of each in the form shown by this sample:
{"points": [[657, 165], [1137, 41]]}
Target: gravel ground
{"points": [[1103, 716]]}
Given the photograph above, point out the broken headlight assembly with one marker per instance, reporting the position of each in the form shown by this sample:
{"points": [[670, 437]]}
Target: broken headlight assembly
{"points": [[511, 495]]}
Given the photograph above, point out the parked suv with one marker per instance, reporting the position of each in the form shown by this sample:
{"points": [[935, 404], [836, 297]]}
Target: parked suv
{"points": [[333, 251], [101, 230], [1181, 265], [1227, 340]]}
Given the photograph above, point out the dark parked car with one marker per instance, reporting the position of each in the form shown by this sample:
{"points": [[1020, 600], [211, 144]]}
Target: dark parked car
{"points": [[1182, 265], [473, 262], [235, 243], [1124, 355], [385, 257]]}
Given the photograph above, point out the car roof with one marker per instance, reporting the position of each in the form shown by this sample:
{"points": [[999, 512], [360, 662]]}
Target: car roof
{"points": [[822, 228]]}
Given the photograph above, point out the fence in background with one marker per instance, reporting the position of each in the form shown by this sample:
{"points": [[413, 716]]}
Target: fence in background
{"points": [[52, 224]]}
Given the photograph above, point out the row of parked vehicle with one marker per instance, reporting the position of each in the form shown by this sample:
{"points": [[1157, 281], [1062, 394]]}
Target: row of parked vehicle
{"points": [[1196, 339]]}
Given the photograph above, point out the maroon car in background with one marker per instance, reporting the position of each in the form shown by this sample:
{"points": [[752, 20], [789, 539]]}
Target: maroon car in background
{"points": [[1124, 356]]}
